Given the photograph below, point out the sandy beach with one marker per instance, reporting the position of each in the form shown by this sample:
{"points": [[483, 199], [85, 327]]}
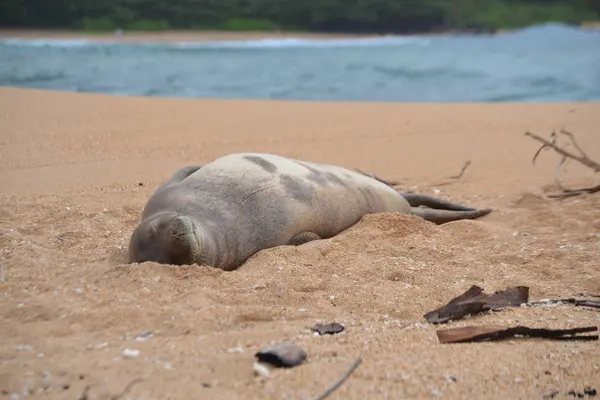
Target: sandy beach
{"points": [[77, 169], [169, 36]]}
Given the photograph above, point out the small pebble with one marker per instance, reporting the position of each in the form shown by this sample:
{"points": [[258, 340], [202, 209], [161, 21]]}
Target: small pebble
{"points": [[261, 369], [101, 346], [328, 329], [237, 349], [283, 354], [142, 337], [131, 353], [23, 347], [79, 290]]}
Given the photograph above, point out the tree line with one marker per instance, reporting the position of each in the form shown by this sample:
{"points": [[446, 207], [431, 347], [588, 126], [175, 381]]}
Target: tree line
{"points": [[349, 16]]}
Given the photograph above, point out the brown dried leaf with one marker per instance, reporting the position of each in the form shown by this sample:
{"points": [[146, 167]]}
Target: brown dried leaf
{"points": [[474, 301], [511, 297]]}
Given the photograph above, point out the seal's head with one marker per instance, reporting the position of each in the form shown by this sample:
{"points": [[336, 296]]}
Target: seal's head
{"points": [[167, 238]]}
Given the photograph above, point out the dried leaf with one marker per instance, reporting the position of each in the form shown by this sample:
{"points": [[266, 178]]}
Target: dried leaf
{"points": [[284, 354], [511, 297], [474, 301], [495, 332], [328, 329]]}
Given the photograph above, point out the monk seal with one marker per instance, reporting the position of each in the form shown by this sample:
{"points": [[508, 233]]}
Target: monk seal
{"points": [[222, 213]]}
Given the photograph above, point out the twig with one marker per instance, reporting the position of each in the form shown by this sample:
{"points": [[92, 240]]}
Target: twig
{"points": [[557, 172], [572, 137], [575, 192], [339, 382], [462, 171], [84, 395], [125, 391], [454, 178], [544, 146], [576, 302], [583, 159]]}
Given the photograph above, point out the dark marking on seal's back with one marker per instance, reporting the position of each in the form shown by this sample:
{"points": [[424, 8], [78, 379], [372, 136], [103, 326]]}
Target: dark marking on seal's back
{"points": [[368, 196], [317, 176], [295, 188], [261, 162], [333, 178]]}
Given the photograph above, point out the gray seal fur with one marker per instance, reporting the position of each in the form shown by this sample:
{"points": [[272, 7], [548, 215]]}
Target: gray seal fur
{"points": [[222, 213]]}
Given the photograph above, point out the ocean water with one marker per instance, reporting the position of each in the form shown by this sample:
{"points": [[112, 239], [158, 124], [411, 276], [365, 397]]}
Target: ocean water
{"points": [[538, 64]]}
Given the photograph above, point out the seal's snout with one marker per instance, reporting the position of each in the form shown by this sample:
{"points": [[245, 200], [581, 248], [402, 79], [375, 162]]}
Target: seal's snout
{"points": [[165, 239]]}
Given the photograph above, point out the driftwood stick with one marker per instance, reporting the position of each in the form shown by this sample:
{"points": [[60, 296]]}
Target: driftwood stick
{"points": [[572, 137], [454, 178], [557, 172], [582, 159], [84, 395], [462, 171], [543, 146], [125, 391], [339, 382], [577, 302], [575, 192]]}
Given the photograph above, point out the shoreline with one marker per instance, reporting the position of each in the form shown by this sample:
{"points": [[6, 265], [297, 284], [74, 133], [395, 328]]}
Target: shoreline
{"points": [[200, 36], [172, 36]]}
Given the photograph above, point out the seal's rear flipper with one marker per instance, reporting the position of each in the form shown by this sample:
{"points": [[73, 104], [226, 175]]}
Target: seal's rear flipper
{"points": [[416, 200], [443, 216], [303, 237]]}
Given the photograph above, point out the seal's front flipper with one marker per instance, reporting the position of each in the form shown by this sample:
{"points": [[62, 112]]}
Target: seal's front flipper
{"points": [[443, 216], [303, 237]]}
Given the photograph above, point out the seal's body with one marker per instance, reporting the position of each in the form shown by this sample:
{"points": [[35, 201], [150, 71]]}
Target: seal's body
{"points": [[222, 213]]}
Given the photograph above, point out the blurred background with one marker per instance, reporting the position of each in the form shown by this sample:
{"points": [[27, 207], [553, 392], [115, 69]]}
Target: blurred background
{"points": [[326, 50]]}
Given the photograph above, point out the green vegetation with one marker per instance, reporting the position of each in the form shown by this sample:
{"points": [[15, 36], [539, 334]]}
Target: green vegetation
{"points": [[372, 16]]}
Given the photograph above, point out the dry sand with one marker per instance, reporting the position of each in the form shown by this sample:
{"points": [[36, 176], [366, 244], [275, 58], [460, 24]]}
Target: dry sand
{"points": [[76, 170]]}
